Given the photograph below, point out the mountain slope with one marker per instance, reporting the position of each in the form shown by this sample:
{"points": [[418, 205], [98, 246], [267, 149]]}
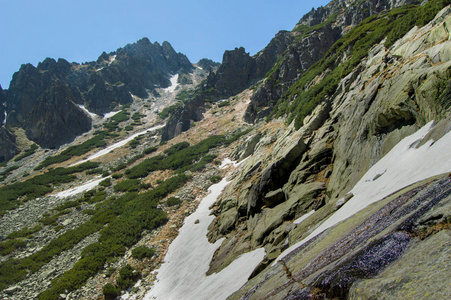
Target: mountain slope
{"points": [[311, 170], [343, 177]]}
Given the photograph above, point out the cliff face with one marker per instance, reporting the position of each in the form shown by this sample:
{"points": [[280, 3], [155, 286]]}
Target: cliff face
{"points": [[55, 108], [100, 86], [8, 147]]}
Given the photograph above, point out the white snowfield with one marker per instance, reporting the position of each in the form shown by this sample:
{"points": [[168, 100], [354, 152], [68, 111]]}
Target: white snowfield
{"points": [[92, 115], [173, 85], [183, 273], [117, 145], [303, 217], [110, 114], [226, 162], [402, 166], [80, 189], [95, 116]]}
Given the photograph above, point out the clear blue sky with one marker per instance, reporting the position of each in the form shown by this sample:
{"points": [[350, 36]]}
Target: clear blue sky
{"points": [[79, 31]]}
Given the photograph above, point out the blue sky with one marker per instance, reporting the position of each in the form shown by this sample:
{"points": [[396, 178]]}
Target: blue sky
{"points": [[31, 30]]}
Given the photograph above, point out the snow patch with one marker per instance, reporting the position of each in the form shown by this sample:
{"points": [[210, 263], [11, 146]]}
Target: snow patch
{"points": [[92, 115], [402, 166], [303, 217], [173, 85], [183, 273], [111, 59], [110, 114], [117, 145], [226, 162], [6, 115], [80, 189]]}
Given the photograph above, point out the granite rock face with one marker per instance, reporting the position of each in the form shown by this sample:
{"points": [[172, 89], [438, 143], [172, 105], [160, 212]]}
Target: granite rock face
{"points": [[55, 119], [371, 253]]}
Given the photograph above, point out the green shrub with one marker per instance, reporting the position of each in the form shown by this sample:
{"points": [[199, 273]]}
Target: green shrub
{"points": [[134, 143], [169, 110], [180, 157], [110, 292], [173, 201], [106, 182], [215, 179], [223, 103], [150, 150], [127, 277], [117, 175], [9, 245], [141, 252], [137, 116], [25, 232], [176, 148], [128, 185], [9, 170], [49, 220], [66, 205], [121, 116], [94, 171]]}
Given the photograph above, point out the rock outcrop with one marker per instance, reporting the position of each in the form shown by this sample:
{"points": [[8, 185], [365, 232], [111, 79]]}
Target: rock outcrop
{"points": [[347, 261], [55, 119]]}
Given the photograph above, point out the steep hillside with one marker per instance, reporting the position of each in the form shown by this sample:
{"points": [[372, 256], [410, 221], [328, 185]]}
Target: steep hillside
{"points": [[310, 166]]}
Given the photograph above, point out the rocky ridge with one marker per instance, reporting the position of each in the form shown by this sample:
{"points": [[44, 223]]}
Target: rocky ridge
{"points": [[137, 69]]}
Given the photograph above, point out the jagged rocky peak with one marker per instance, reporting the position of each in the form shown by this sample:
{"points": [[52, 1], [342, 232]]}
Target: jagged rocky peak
{"points": [[100, 86], [143, 65], [208, 64], [238, 71]]}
